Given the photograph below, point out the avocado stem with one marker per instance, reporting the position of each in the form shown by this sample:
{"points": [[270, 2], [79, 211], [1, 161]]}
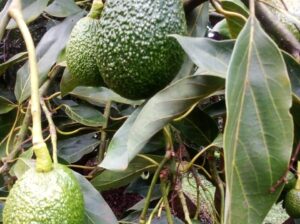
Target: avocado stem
{"points": [[96, 9], [297, 186], [43, 161]]}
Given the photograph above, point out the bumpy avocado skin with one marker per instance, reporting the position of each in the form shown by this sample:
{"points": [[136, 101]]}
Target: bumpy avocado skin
{"points": [[45, 198], [81, 50], [292, 203], [135, 56]]}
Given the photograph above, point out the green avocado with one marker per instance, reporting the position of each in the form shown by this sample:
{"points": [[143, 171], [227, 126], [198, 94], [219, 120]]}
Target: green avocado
{"points": [[285, 11], [136, 57], [52, 197], [81, 50], [292, 203]]}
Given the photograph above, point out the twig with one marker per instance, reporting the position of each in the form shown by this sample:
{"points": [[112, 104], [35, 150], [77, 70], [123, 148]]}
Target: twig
{"points": [[226, 13], [168, 155], [52, 130], [219, 183], [283, 178], [271, 24], [103, 143], [43, 159], [184, 204], [154, 211], [165, 192]]}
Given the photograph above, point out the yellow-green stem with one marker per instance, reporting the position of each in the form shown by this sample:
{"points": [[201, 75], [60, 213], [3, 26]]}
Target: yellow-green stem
{"points": [[43, 163], [96, 9], [297, 186]]}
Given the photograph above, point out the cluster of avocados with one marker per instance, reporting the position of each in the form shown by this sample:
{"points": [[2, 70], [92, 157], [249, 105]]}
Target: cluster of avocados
{"points": [[128, 47]]}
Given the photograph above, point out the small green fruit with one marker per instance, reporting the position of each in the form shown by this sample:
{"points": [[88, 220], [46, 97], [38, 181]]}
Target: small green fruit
{"points": [[52, 197], [292, 203], [81, 51]]}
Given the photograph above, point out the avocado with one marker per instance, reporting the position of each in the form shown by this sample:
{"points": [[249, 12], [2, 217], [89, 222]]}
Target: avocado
{"points": [[292, 203], [45, 198], [136, 57], [81, 50]]}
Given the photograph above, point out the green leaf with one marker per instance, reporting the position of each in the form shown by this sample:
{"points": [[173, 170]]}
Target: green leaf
{"points": [[100, 95], [162, 108], [111, 179], [222, 28], [85, 115], [48, 50], [117, 149], [31, 10], [23, 163], [96, 209], [12, 61], [212, 57], [197, 20], [62, 8], [235, 24], [73, 149], [67, 83], [197, 127], [166, 105], [6, 105], [258, 134], [293, 68]]}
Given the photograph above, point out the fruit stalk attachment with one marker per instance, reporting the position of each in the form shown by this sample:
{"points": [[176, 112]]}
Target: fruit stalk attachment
{"points": [[96, 9], [43, 159], [297, 186]]}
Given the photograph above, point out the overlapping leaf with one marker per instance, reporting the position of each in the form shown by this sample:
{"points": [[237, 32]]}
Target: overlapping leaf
{"points": [[258, 135], [85, 115], [112, 179], [31, 10], [48, 50], [62, 8], [101, 95], [73, 149], [97, 210], [13, 60], [212, 57]]}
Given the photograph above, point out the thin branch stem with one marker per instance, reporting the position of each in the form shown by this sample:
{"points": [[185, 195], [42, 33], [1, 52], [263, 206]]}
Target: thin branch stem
{"points": [[165, 192], [226, 13], [152, 185], [154, 211], [52, 130], [103, 143], [43, 159], [184, 205]]}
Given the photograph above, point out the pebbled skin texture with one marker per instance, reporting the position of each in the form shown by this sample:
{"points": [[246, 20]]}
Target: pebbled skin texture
{"points": [[292, 203], [81, 50], [45, 198], [136, 57]]}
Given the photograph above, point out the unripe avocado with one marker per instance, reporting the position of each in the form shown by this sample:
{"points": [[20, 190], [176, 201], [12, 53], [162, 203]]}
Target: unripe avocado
{"points": [[81, 50], [293, 8], [136, 57], [52, 197], [292, 203]]}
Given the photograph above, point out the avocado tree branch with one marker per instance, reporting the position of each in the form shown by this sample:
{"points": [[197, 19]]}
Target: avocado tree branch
{"points": [[43, 159], [270, 23]]}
